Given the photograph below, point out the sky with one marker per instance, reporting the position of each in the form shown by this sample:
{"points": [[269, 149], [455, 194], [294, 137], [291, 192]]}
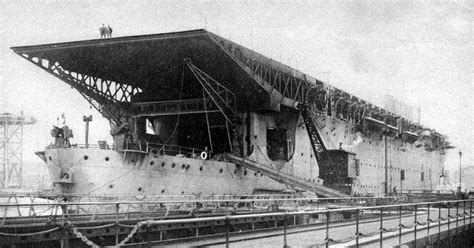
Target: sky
{"points": [[421, 52]]}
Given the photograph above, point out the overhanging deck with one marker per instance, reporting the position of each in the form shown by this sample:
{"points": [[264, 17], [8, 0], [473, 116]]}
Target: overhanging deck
{"points": [[111, 73]]}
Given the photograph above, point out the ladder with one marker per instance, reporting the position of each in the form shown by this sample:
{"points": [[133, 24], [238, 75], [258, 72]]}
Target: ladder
{"points": [[283, 177]]}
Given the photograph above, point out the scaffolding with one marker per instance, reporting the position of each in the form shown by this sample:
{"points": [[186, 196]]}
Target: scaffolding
{"points": [[11, 148]]}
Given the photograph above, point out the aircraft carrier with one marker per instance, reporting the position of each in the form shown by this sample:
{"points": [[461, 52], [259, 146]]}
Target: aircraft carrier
{"points": [[190, 111], [215, 144]]}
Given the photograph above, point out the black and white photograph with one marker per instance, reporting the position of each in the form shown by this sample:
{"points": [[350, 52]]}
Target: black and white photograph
{"points": [[267, 123]]}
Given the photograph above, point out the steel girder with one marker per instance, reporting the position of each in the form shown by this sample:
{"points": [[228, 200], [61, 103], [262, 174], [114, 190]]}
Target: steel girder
{"points": [[110, 98]]}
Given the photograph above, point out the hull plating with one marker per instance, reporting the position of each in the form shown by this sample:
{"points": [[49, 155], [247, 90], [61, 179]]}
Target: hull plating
{"points": [[108, 172]]}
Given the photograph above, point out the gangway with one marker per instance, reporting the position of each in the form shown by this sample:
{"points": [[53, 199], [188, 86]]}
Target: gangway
{"points": [[284, 178]]}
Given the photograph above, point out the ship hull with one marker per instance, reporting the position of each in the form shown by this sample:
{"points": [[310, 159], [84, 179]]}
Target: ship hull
{"points": [[95, 171], [402, 166]]}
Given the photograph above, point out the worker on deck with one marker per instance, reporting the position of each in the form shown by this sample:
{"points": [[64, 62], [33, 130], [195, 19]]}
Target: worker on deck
{"points": [[102, 31], [109, 31]]}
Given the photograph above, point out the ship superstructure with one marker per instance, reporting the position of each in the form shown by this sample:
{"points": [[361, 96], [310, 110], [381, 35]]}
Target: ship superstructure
{"points": [[194, 113]]}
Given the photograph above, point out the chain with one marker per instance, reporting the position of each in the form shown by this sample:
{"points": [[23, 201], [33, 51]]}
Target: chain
{"points": [[132, 233], [83, 238]]}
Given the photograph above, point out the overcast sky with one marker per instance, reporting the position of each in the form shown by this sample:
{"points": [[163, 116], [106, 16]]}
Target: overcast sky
{"points": [[420, 52]]}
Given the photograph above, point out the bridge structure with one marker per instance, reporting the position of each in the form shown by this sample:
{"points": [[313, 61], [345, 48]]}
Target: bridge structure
{"points": [[11, 148]]}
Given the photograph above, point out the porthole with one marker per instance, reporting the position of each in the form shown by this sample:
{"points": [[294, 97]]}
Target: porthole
{"points": [[86, 157], [200, 168], [163, 164], [183, 166], [152, 162], [255, 174], [140, 189], [111, 186], [162, 191], [50, 159], [221, 170], [106, 158], [245, 172], [173, 165]]}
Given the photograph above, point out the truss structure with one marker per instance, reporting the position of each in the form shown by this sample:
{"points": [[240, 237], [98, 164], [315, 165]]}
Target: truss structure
{"points": [[110, 98], [297, 90], [11, 148]]}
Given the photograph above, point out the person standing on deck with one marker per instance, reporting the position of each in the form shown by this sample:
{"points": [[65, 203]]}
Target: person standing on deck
{"points": [[109, 31], [102, 31]]}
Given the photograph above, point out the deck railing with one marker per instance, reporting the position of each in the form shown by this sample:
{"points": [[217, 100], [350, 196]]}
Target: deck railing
{"points": [[143, 147]]}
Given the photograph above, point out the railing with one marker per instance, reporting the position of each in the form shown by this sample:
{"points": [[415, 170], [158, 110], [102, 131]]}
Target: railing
{"points": [[184, 106], [386, 214], [168, 215], [426, 191], [166, 149], [144, 147], [81, 146], [29, 205]]}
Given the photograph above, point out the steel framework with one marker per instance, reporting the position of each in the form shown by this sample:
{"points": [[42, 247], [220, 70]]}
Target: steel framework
{"points": [[11, 145], [110, 98]]}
